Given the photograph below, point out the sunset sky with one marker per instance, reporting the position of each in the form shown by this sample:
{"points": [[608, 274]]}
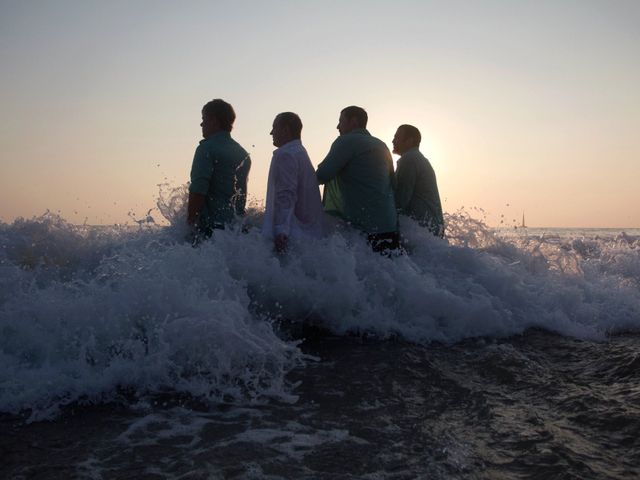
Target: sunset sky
{"points": [[524, 106]]}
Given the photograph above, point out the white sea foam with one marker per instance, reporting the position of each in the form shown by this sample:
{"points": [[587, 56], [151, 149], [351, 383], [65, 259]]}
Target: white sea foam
{"points": [[154, 428], [295, 441], [86, 312]]}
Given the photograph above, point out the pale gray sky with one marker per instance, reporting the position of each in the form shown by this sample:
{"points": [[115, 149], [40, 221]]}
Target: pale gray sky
{"points": [[531, 104]]}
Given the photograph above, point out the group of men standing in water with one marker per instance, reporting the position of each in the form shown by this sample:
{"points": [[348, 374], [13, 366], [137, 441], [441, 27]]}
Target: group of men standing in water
{"points": [[360, 185]]}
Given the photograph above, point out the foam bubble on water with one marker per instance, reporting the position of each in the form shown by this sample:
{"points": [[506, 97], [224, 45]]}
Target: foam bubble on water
{"points": [[88, 311]]}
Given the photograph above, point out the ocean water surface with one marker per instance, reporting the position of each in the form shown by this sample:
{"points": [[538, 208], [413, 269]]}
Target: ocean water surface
{"points": [[127, 353]]}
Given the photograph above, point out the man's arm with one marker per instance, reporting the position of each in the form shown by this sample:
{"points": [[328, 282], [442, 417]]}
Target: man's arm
{"points": [[285, 182], [201, 173], [196, 202], [335, 161], [405, 183]]}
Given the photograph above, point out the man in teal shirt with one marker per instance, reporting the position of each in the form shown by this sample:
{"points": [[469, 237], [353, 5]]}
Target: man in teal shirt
{"points": [[218, 188], [416, 187], [358, 177]]}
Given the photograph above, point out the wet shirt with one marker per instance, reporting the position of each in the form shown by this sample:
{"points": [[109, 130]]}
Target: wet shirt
{"points": [[219, 172], [417, 191], [293, 205], [358, 177]]}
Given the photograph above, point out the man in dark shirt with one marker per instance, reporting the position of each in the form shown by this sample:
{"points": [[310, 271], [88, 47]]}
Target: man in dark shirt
{"points": [[416, 188], [358, 177], [218, 188]]}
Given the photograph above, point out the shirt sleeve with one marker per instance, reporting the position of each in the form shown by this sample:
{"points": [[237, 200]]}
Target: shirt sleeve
{"points": [[405, 183], [335, 161], [201, 171], [285, 182]]}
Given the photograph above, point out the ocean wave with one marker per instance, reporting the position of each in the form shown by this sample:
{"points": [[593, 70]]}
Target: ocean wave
{"points": [[87, 312]]}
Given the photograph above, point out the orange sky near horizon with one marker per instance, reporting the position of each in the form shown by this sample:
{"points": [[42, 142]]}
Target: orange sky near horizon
{"points": [[523, 107]]}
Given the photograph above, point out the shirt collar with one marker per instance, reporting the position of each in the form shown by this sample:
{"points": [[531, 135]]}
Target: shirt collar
{"points": [[290, 144], [411, 150], [218, 134], [361, 131]]}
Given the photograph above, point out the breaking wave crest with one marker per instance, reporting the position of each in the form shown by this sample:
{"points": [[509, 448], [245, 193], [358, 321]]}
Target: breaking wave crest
{"points": [[88, 314]]}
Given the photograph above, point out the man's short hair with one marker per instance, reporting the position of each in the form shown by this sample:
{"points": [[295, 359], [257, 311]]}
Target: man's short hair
{"points": [[222, 112], [358, 113], [409, 131], [292, 121]]}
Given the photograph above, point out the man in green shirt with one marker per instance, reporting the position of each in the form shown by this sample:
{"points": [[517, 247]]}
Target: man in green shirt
{"points": [[218, 188], [358, 177], [416, 188]]}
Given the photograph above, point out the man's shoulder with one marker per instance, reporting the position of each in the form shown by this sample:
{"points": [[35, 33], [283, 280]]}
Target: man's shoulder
{"points": [[222, 149], [292, 147], [356, 139], [228, 147], [233, 141], [228, 143], [416, 160], [220, 140], [209, 144], [291, 152], [378, 142], [413, 155], [343, 140], [282, 155], [203, 148], [361, 136]]}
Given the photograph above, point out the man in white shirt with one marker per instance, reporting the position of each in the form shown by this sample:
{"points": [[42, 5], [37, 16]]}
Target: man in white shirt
{"points": [[293, 208]]}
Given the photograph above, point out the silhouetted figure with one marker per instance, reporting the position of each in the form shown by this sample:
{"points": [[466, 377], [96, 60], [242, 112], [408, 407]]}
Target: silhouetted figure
{"points": [[218, 189], [293, 208], [358, 177], [416, 188]]}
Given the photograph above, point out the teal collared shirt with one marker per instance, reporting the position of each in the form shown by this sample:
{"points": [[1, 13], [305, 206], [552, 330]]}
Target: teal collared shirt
{"points": [[417, 191], [219, 172], [358, 177]]}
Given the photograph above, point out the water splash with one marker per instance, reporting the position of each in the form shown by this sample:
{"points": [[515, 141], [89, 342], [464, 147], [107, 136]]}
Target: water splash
{"points": [[86, 312]]}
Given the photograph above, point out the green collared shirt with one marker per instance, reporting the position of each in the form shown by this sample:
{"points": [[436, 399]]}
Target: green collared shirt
{"points": [[219, 172], [358, 177], [417, 191]]}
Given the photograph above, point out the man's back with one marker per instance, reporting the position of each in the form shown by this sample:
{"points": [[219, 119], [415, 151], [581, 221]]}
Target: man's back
{"points": [[358, 173], [417, 191], [293, 205], [220, 170]]}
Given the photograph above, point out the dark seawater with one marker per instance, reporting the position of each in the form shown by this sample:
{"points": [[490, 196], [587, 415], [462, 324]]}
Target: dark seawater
{"points": [[536, 405], [126, 353]]}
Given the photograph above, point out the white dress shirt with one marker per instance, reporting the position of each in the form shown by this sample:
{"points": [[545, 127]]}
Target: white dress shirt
{"points": [[293, 206]]}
